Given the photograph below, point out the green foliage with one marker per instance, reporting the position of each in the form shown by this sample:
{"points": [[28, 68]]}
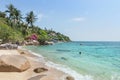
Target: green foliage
{"points": [[15, 36], [2, 14], [30, 19], [43, 36], [8, 34], [13, 28]]}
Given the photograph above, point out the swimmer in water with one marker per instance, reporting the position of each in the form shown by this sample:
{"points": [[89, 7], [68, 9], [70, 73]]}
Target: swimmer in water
{"points": [[80, 53]]}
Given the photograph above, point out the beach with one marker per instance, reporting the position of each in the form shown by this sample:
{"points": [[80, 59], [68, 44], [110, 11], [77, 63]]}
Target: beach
{"points": [[97, 61], [59, 40], [29, 74]]}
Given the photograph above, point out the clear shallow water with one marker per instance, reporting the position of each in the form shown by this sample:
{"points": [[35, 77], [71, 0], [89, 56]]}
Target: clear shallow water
{"points": [[100, 60]]}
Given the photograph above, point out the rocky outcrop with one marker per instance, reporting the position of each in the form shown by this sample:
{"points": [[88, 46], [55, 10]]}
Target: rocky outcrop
{"points": [[13, 63], [8, 46], [69, 78], [39, 70], [31, 42]]}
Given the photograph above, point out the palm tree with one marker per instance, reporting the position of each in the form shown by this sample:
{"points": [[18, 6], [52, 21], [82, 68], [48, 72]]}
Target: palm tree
{"points": [[14, 15], [17, 16], [31, 18], [10, 10]]}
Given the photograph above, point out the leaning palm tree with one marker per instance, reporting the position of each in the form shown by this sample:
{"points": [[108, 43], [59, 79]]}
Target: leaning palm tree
{"points": [[31, 18]]}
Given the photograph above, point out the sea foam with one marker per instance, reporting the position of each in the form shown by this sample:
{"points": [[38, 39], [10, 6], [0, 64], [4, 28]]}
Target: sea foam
{"points": [[69, 71], [62, 68]]}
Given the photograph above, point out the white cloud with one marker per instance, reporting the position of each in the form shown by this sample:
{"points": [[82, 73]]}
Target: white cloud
{"points": [[78, 19]]}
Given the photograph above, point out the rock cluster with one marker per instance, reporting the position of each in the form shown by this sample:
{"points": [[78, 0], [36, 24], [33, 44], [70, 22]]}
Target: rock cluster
{"points": [[49, 42], [8, 46], [31, 42]]}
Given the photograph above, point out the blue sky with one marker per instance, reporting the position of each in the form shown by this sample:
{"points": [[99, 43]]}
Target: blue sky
{"points": [[81, 20]]}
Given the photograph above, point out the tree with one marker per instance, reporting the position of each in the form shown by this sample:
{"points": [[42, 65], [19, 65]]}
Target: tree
{"points": [[8, 34], [12, 29], [2, 14], [10, 10], [14, 16], [43, 36], [17, 17], [31, 18]]}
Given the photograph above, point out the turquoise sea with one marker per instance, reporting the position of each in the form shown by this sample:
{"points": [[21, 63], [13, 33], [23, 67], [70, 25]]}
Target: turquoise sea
{"points": [[84, 60]]}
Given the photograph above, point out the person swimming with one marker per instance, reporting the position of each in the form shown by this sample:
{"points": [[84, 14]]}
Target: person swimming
{"points": [[81, 44], [80, 53]]}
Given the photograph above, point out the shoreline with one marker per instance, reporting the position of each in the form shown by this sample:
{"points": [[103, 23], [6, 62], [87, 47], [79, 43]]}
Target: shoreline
{"points": [[53, 73], [50, 64], [35, 62], [62, 68]]}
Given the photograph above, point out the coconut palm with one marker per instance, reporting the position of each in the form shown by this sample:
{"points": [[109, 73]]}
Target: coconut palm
{"points": [[14, 15], [31, 18], [17, 16], [10, 10]]}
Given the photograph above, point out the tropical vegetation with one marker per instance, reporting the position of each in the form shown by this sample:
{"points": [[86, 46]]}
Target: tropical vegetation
{"points": [[14, 27]]}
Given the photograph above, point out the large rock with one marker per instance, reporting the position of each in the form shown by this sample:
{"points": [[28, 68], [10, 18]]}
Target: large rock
{"points": [[13, 63], [39, 70], [69, 78], [31, 42], [8, 46]]}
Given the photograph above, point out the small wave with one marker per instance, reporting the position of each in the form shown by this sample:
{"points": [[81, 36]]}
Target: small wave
{"points": [[35, 54], [69, 71]]}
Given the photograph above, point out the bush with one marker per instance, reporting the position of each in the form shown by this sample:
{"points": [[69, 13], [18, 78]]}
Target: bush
{"points": [[8, 34], [43, 36]]}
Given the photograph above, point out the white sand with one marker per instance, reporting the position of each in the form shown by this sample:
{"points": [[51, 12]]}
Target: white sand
{"points": [[9, 52]]}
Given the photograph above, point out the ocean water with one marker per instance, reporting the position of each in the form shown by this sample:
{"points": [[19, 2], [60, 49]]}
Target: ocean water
{"points": [[84, 60]]}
